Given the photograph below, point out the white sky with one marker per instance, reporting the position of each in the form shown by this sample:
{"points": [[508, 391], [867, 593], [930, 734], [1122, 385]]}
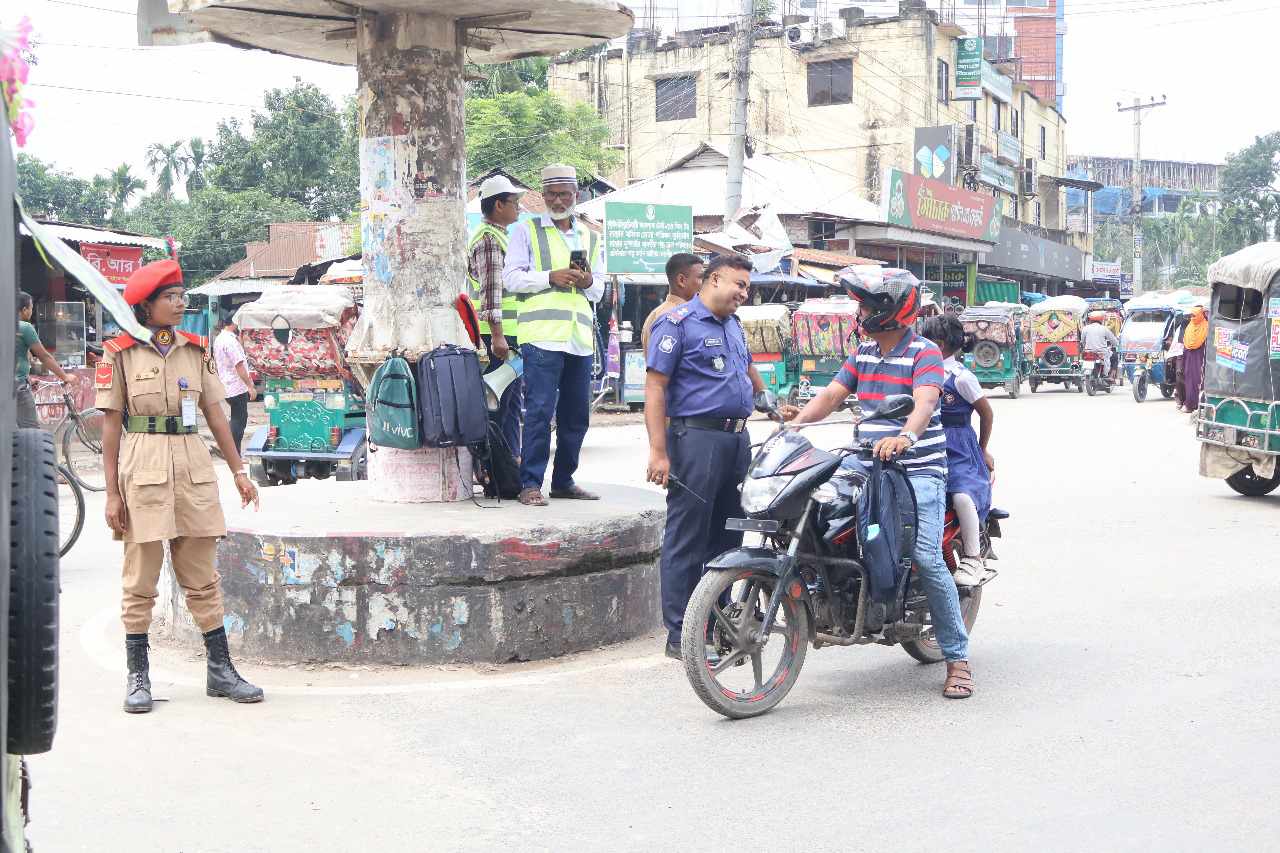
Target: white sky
{"points": [[1212, 58]]}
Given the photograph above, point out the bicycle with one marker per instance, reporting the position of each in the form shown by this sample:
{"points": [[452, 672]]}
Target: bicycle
{"points": [[70, 510], [80, 435]]}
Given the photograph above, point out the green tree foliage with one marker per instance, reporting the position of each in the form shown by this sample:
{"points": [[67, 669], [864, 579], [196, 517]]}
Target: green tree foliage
{"points": [[1251, 202], [168, 162], [213, 226], [522, 132], [51, 193], [123, 185], [197, 160], [300, 147], [520, 75]]}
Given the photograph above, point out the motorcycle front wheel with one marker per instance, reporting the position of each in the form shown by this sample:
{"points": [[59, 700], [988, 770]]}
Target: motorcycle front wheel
{"points": [[728, 667]]}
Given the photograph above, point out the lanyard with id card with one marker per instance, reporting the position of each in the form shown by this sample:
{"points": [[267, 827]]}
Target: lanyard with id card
{"points": [[188, 404]]}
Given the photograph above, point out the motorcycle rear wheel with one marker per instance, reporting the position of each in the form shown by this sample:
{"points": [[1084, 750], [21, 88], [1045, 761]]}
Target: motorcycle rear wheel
{"points": [[1140, 387], [741, 661], [928, 651]]}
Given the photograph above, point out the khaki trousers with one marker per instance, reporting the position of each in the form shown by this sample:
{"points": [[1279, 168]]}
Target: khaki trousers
{"points": [[193, 564]]}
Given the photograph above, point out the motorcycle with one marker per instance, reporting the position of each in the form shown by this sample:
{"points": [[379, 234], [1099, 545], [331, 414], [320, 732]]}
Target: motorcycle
{"points": [[1098, 376], [809, 582]]}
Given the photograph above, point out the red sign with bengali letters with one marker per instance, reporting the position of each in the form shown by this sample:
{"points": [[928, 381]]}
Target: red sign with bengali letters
{"points": [[116, 263], [928, 205]]}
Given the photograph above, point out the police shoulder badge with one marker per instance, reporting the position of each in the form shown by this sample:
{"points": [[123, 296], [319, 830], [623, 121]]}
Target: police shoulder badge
{"points": [[667, 344]]}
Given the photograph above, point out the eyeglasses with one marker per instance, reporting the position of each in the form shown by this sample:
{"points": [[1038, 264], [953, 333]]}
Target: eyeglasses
{"points": [[559, 194], [174, 296]]}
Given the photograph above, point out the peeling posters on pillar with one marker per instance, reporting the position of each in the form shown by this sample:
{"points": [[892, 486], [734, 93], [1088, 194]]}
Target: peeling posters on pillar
{"points": [[386, 205]]}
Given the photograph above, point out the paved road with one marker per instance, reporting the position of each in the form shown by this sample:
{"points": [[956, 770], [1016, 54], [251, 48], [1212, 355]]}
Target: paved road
{"points": [[1127, 700]]}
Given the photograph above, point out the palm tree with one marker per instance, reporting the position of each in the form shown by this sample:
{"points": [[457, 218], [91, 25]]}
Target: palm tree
{"points": [[122, 184], [195, 163], [168, 163]]}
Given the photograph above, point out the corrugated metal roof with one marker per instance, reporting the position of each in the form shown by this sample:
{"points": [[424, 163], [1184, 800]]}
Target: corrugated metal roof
{"points": [[75, 233], [831, 259], [290, 245]]}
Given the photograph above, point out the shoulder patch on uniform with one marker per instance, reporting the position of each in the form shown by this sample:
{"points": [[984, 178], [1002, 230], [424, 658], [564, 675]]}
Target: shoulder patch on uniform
{"points": [[203, 343], [103, 374], [675, 315], [667, 344], [120, 343], [210, 366]]}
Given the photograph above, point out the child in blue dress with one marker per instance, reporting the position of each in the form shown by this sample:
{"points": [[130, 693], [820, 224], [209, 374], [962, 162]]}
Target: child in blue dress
{"points": [[969, 465]]}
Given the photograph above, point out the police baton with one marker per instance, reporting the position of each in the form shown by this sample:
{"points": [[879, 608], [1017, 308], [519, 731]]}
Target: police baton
{"points": [[671, 478]]}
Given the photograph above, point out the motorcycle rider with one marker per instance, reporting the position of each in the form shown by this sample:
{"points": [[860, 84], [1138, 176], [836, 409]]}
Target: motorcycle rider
{"points": [[1098, 338], [893, 359]]}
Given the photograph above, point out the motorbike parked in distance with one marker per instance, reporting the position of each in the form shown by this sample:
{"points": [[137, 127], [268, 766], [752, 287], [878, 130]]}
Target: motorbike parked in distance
{"points": [[753, 615], [1097, 366]]}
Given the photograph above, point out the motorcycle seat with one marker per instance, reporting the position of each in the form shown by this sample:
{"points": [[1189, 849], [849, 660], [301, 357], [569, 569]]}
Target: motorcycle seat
{"points": [[997, 514]]}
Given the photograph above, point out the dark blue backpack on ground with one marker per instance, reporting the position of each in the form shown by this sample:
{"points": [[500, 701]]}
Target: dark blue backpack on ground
{"points": [[451, 398], [887, 529], [393, 406]]}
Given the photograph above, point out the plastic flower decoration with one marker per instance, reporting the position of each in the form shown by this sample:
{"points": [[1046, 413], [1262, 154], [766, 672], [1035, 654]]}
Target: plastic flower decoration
{"points": [[14, 43]]}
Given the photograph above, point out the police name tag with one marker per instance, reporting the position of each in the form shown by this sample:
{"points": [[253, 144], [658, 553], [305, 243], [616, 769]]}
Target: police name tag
{"points": [[712, 342], [188, 411]]}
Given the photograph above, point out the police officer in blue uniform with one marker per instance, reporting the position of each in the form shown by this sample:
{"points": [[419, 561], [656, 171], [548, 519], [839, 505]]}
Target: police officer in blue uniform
{"points": [[699, 392]]}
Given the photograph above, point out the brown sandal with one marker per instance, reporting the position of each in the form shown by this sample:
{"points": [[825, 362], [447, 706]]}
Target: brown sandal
{"points": [[959, 684], [532, 497]]}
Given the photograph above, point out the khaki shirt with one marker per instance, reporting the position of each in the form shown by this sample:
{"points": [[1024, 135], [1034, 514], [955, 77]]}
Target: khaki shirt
{"points": [[665, 306], [167, 481]]}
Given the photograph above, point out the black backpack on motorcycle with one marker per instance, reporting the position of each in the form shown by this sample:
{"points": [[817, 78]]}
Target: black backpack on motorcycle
{"points": [[887, 530], [451, 398]]}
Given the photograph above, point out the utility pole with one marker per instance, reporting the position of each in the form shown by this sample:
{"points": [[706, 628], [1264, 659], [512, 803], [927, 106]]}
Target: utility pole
{"points": [[738, 122], [1137, 109]]}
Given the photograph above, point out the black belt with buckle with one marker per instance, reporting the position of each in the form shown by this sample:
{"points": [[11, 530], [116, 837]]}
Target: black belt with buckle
{"points": [[715, 424]]}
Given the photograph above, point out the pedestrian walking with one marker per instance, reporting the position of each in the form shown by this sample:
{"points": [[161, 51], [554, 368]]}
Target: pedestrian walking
{"points": [[233, 372], [27, 346], [699, 376], [895, 360], [161, 484], [1193, 356], [684, 279], [499, 321], [550, 264]]}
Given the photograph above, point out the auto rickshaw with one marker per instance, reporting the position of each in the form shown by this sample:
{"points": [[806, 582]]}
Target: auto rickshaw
{"points": [[998, 358], [824, 332], [1147, 329], [768, 331], [1057, 355], [1238, 421]]}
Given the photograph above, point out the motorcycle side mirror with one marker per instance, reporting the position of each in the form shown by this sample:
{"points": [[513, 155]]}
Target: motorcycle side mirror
{"points": [[891, 408]]}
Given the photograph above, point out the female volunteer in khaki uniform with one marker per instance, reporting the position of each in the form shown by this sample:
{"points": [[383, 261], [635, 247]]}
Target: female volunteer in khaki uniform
{"points": [[160, 483]]}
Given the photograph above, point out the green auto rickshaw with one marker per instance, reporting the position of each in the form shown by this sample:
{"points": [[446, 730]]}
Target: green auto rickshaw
{"points": [[1238, 421], [999, 357]]}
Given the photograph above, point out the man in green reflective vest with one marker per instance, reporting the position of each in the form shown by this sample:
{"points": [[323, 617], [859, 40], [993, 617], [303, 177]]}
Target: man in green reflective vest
{"points": [[550, 263], [498, 312]]}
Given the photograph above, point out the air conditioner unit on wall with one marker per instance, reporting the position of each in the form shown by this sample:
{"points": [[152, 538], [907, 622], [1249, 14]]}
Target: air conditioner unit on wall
{"points": [[811, 33]]}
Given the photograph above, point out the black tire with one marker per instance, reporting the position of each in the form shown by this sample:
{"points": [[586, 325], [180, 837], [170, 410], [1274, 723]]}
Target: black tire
{"points": [[1033, 385], [1080, 386], [928, 651], [1251, 485], [1054, 356], [1089, 387], [986, 354], [70, 510], [792, 628], [1140, 384], [258, 474], [793, 396], [1012, 388], [82, 450], [33, 595], [1166, 391]]}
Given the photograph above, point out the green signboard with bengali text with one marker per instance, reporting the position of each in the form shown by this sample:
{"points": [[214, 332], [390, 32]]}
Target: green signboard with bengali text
{"points": [[639, 238]]}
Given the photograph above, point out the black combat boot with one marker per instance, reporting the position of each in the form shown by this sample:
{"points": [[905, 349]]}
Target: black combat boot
{"points": [[137, 685], [223, 680]]}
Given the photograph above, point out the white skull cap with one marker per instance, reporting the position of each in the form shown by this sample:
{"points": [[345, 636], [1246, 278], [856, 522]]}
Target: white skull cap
{"points": [[559, 173], [497, 185]]}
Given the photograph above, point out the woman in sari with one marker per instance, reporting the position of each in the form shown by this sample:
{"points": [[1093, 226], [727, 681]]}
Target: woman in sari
{"points": [[1193, 342]]}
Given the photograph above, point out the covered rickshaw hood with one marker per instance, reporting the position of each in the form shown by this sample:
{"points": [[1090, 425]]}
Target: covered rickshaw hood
{"points": [[1252, 268]]}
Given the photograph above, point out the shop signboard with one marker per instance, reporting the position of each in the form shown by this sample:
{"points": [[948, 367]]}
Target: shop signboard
{"points": [[928, 205], [999, 86], [969, 64], [955, 287], [1106, 272], [116, 263], [639, 238], [998, 175], [1008, 148], [1018, 250], [633, 375], [936, 153]]}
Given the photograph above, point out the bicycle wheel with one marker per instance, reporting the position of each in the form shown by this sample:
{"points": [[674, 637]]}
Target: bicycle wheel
{"points": [[70, 510], [82, 449]]}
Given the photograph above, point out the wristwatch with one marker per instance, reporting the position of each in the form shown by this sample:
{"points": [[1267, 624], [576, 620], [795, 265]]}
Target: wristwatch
{"points": [[910, 436]]}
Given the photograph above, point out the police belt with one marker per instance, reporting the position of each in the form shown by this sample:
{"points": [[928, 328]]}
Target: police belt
{"points": [[716, 424], [157, 425]]}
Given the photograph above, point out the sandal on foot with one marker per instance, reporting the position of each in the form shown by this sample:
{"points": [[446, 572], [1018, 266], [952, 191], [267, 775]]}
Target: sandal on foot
{"points": [[959, 684], [532, 497]]}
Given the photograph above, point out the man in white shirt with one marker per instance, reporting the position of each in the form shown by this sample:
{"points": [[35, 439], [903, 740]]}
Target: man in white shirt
{"points": [[233, 370], [549, 264]]}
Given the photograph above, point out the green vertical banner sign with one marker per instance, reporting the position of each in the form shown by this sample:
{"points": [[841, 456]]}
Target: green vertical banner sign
{"points": [[639, 238], [968, 70]]}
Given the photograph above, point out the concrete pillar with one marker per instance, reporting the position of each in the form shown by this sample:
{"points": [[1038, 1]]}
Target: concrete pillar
{"points": [[412, 221]]}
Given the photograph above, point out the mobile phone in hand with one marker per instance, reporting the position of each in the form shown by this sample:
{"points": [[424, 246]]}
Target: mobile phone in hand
{"points": [[578, 259]]}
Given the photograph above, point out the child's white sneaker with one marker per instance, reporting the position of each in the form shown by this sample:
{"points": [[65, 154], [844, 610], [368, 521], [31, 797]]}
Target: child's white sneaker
{"points": [[970, 572]]}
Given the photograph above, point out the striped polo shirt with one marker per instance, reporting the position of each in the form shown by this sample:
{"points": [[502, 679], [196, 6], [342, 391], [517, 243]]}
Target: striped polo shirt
{"points": [[913, 363]]}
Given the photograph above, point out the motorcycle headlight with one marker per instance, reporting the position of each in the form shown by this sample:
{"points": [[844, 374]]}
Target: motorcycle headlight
{"points": [[759, 493]]}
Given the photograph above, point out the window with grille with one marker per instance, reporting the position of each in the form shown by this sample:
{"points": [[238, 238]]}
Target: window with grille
{"points": [[675, 98], [831, 82]]}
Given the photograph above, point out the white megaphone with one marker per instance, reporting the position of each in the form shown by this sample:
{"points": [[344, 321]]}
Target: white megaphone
{"points": [[497, 381]]}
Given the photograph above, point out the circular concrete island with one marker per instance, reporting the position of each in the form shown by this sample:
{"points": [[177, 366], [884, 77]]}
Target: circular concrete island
{"points": [[325, 572]]}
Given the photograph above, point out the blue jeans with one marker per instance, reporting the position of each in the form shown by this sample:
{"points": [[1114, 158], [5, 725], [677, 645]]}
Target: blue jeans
{"points": [[944, 600], [555, 384]]}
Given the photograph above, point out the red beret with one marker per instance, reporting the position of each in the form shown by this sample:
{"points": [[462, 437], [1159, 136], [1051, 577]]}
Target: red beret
{"points": [[154, 276]]}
